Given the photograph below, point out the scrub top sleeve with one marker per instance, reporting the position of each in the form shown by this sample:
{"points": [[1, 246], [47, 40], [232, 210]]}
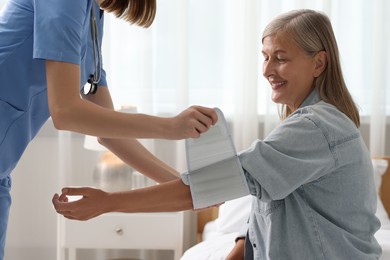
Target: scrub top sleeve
{"points": [[295, 153], [100, 18], [103, 80], [58, 29]]}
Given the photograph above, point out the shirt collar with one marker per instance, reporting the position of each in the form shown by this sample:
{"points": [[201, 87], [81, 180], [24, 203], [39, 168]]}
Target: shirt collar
{"points": [[311, 99]]}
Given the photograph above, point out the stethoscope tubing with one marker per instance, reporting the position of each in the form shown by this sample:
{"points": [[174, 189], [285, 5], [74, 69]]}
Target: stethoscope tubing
{"points": [[96, 76]]}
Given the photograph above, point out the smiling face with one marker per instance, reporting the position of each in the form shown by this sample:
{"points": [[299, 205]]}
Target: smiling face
{"points": [[289, 70]]}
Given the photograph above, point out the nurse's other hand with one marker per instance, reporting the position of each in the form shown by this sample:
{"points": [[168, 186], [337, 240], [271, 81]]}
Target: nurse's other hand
{"points": [[91, 203], [193, 121]]}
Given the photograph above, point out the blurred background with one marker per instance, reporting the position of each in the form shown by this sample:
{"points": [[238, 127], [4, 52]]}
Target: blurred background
{"points": [[197, 52]]}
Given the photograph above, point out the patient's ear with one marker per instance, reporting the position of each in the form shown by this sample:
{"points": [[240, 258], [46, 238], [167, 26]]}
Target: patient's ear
{"points": [[321, 60]]}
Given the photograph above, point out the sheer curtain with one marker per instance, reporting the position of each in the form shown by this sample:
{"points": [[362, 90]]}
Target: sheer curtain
{"points": [[208, 53]]}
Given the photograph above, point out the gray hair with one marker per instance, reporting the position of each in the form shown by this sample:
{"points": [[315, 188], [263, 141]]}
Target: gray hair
{"points": [[312, 31]]}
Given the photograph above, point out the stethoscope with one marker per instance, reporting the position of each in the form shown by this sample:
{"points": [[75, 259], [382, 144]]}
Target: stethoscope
{"points": [[95, 77]]}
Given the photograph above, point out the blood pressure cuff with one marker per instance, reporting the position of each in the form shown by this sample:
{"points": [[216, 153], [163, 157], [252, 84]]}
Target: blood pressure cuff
{"points": [[215, 174]]}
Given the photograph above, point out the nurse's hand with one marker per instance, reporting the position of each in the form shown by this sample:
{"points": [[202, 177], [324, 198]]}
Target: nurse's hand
{"points": [[91, 203], [192, 122]]}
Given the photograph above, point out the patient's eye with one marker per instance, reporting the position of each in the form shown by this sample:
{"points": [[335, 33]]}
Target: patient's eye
{"points": [[280, 59], [265, 56]]}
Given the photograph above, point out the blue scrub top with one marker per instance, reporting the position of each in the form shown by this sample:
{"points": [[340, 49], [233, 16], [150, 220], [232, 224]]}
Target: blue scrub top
{"points": [[32, 31]]}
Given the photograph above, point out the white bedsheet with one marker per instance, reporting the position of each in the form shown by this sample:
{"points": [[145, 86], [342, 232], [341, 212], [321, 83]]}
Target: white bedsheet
{"points": [[383, 238], [216, 246]]}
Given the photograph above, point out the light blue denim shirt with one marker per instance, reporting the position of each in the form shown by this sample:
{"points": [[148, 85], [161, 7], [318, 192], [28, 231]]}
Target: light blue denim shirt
{"points": [[312, 179]]}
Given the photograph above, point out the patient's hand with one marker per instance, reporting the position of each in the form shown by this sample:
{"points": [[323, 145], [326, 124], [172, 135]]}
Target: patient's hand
{"points": [[93, 202], [237, 252]]}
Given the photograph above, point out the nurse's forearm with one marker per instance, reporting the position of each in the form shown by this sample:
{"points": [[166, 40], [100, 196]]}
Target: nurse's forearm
{"points": [[138, 157], [70, 112], [166, 197], [87, 118]]}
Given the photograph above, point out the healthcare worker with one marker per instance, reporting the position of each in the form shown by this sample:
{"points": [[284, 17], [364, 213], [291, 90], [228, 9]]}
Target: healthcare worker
{"points": [[49, 50]]}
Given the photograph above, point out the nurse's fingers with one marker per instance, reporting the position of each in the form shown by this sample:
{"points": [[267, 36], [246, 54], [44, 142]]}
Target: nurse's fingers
{"points": [[63, 207], [63, 198], [209, 113], [73, 191], [59, 204]]}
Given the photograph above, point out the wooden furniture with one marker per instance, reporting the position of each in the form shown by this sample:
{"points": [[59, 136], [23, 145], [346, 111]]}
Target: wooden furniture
{"points": [[203, 217]]}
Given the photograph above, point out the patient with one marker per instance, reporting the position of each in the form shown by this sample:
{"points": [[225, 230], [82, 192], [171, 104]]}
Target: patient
{"points": [[311, 178]]}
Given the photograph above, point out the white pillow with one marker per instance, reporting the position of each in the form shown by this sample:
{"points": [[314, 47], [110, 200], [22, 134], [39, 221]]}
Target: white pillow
{"points": [[216, 248], [233, 214], [380, 167]]}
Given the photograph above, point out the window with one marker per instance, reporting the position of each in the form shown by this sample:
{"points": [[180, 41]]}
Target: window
{"points": [[206, 52]]}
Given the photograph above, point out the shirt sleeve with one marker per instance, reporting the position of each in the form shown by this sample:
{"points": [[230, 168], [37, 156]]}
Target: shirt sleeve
{"points": [[58, 28], [243, 231], [295, 153]]}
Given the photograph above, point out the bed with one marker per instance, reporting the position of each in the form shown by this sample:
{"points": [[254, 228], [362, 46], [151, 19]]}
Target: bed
{"points": [[218, 227]]}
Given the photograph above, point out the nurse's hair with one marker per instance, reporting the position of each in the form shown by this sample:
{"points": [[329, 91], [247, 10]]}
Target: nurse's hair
{"points": [[140, 12], [312, 31]]}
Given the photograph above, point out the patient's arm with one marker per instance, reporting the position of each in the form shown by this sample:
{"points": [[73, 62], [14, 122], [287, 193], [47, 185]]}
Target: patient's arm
{"points": [[166, 197], [237, 252]]}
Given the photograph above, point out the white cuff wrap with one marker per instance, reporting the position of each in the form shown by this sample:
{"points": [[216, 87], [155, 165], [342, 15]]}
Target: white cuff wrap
{"points": [[215, 174]]}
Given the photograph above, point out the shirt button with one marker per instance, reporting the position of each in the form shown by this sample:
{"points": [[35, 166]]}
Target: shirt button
{"points": [[254, 245]]}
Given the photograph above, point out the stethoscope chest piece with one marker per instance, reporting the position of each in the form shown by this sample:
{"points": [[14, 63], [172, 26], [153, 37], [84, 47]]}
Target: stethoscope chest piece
{"points": [[91, 86]]}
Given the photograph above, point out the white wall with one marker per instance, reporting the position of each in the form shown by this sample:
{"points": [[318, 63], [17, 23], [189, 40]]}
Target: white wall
{"points": [[32, 223]]}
